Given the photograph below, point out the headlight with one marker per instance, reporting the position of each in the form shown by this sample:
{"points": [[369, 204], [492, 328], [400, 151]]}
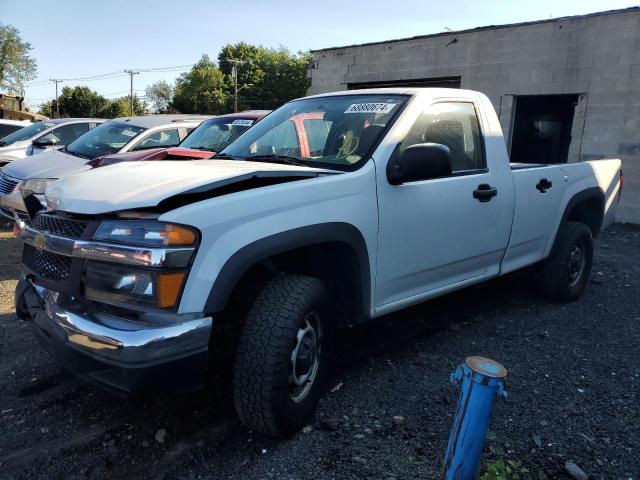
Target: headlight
{"points": [[148, 234], [119, 285], [36, 185]]}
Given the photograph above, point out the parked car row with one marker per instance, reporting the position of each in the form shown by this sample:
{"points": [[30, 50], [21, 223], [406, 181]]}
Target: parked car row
{"points": [[330, 211], [123, 139]]}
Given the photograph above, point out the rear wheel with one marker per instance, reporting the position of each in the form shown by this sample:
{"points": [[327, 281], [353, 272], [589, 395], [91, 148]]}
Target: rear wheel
{"points": [[565, 274], [281, 363]]}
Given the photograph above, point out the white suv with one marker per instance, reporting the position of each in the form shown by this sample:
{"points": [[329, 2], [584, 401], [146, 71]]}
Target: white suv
{"points": [[42, 136]]}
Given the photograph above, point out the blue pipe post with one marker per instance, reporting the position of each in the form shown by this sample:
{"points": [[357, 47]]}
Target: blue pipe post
{"points": [[481, 379]]}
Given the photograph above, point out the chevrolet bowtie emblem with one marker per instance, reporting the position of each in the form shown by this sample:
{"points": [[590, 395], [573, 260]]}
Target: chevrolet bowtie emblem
{"points": [[39, 242]]}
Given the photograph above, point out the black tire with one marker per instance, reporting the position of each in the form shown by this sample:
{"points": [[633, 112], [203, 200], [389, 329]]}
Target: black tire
{"points": [[20, 302], [266, 398], [560, 277]]}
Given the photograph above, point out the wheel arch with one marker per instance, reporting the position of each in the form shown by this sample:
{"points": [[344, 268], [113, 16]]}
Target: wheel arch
{"points": [[586, 206], [295, 251]]}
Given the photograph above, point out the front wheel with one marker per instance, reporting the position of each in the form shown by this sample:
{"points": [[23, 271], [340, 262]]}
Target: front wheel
{"points": [[281, 360], [565, 273]]}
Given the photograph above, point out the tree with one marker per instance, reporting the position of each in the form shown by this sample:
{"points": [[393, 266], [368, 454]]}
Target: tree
{"points": [[203, 89], [160, 94], [268, 77], [121, 107], [16, 66], [47, 109], [81, 101]]}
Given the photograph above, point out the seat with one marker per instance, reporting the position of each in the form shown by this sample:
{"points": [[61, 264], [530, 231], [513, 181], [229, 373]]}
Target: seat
{"points": [[451, 134]]}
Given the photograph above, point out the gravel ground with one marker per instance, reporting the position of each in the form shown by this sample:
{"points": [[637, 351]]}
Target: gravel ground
{"points": [[573, 393]]}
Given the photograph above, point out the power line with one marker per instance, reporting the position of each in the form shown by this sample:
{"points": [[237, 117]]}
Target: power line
{"points": [[118, 73]]}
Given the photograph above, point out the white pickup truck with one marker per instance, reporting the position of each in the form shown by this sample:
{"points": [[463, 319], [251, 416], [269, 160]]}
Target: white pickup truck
{"points": [[398, 196]]}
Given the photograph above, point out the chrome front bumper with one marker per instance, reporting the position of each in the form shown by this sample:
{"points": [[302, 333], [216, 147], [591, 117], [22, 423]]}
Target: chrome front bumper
{"points": [[124, 355], [120, 340]]}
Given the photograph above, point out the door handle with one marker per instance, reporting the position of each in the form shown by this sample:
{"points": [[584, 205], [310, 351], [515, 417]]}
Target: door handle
{"points": [[485, 192], [544, 185]]}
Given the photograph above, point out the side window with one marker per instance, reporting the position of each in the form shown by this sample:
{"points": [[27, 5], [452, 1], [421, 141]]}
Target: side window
{"points": [[7, 129], [164, 138], [455, 125], [65, 134], [284, 135]]}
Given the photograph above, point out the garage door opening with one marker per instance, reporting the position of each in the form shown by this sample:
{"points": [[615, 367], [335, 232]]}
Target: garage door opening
{"points": [[441, 82], [542, 128]]}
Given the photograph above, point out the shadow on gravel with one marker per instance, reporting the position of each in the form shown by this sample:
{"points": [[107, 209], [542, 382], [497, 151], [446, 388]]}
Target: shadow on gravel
{"points": [[393, 333]]}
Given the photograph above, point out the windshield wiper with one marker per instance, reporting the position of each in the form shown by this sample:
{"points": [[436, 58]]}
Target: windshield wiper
{"points": [[274, 158], [224, 156], [3, 144], [76, 154]]}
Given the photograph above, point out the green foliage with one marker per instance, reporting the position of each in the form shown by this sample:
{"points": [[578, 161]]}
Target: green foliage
{"points": [[120, 107], [160, 94], [204, 89], [501, 470], [267, 78], [271, 76], [81, 101], [16, 66]]}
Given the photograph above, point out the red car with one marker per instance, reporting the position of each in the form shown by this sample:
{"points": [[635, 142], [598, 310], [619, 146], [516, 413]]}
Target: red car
{"points": [[205, 141]]}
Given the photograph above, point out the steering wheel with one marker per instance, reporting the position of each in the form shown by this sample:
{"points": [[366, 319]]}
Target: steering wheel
{"points": [[349, 145]]}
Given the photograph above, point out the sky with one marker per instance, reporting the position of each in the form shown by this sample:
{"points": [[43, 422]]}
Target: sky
{"points": [[75, 39]]}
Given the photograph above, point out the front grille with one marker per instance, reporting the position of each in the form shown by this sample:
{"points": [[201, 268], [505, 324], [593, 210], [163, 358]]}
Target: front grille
{"points": [[60, 226], [46, 264], [7, 184]]}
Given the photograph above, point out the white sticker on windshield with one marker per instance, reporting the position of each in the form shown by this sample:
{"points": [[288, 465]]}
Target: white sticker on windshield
{"points": [[129, 133], [370, 108], [243, 123]]}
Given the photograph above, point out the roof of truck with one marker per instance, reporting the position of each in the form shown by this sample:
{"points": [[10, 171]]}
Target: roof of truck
{"points": [[453, 92], [150, 121]]}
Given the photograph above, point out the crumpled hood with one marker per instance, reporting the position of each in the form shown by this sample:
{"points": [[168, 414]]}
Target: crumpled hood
{"points": [[129, 185], [50, 164]]}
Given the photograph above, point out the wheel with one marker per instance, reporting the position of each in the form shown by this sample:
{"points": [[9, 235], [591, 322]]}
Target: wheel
{"points": [[22, 312], [280, 364], [565, 274]]}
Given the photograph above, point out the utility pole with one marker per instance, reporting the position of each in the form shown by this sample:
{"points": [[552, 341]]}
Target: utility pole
{"points": [[235, 62], [56, 81], [131, 74]]}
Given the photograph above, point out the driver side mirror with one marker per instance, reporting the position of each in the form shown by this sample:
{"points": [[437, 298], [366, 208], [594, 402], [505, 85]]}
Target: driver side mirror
{"points": [[422, 161], [45, 141]]}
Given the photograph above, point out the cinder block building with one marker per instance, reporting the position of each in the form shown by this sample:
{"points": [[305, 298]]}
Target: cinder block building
{"points": [[566, 89]]}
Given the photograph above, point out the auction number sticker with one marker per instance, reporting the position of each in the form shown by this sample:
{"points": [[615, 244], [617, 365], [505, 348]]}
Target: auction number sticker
{"points": [[243, 123], [370, 108], [129, 133]]}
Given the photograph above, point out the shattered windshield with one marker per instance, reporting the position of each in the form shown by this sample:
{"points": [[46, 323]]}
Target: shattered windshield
{"points": [[332, 132]]}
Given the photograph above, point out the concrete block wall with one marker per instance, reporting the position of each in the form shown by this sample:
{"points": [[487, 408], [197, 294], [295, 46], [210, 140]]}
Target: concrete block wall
{"points": [[597, 56]]}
